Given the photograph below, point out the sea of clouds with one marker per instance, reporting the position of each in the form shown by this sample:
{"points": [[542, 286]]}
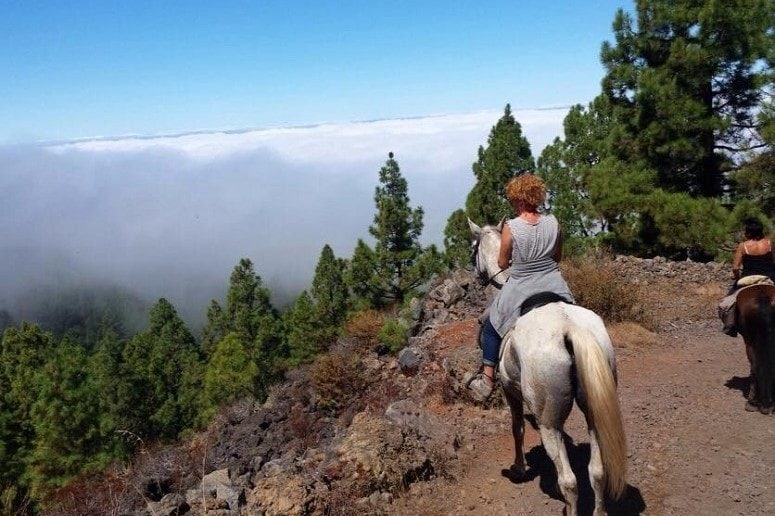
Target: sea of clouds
{"points": [[171, 215]]}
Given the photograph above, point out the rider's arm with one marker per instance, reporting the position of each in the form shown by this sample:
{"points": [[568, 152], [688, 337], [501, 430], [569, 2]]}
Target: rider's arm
{"points": [[558, 247], [504, 256], [737, 262]]}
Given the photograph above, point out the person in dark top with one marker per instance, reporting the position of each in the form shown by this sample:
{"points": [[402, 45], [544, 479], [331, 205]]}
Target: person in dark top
{"points": [[754, 256]]}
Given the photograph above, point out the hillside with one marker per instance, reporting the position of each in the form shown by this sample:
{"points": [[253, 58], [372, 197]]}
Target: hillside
{"points": [[369, 433]]}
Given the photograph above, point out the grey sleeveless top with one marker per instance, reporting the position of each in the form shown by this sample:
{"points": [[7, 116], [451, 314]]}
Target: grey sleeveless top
{"points": [[533, 270]]}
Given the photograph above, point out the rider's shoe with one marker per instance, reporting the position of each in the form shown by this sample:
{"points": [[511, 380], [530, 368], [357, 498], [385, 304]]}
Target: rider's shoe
{"points": [[730, 330], [481, 387]]}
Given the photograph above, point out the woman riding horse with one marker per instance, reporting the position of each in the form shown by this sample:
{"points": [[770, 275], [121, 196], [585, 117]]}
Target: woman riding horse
{"points": [[753, 257], [751, 311], [532, 246], [551, 357]]}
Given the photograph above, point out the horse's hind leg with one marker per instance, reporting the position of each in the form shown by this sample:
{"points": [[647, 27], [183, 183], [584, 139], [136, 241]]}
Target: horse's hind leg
{"points": [[514, 400], [555, 448], [596, 472], [751, 404]]}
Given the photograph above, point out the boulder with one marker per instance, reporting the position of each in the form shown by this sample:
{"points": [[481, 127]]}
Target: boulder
{"points": [[171, 504], [461, 277], [409, 360], [280, 494], [448, 293], [406, 414], [389, 455], [218, 485]]}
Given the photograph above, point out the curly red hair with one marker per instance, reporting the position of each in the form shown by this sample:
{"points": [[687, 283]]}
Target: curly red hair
{"points": [[527, 188]]}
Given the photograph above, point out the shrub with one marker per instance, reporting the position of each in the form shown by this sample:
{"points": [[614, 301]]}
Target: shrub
{"points": [[601, 290], [393, 334], [364, 326], [337, 378]]}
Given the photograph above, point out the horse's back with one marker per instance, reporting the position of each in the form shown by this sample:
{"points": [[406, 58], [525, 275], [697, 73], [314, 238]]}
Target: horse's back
{"points": [[542, 332], [753, 293], [755, 306]]}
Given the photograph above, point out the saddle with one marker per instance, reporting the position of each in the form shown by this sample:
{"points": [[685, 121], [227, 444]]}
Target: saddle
{"points": [[539, 300]]}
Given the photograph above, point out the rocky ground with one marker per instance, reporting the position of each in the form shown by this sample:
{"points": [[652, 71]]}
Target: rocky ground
{"points": [[409, 442]]}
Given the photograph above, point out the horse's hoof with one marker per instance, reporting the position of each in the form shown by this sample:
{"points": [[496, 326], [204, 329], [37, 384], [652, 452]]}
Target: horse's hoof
{"points": [[750, 407], [515, 473], [765, 410]]}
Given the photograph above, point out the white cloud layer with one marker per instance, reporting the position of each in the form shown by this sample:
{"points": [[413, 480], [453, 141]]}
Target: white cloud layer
{"points": [[171, 215], [445, 140]]}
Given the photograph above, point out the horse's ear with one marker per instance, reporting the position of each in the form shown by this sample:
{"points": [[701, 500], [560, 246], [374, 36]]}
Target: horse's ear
{"points": [[501, 223], [475, 230]]}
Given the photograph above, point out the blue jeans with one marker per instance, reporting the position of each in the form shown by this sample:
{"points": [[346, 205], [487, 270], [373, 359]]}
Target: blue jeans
{"points": [[491, 344]]}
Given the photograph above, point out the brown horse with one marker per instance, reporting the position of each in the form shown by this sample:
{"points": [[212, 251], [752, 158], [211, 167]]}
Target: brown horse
{"points": [[756, 323]]}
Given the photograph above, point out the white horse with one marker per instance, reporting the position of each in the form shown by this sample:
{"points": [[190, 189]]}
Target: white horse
{"points": [[554, 354]]}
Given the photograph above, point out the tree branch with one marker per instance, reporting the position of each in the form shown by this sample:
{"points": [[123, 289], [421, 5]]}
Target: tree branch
{"points": [[738, 149]]}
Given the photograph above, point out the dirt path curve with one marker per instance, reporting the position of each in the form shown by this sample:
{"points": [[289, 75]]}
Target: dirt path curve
{"points": [[692, 448]]}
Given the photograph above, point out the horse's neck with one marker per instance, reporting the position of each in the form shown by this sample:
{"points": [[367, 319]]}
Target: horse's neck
{"points": [[491, 248]]}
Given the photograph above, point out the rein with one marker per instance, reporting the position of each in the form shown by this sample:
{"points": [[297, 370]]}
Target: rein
{"points": [[491, 279]]}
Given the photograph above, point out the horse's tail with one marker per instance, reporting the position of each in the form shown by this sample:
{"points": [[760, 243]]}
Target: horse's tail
{"points": [[765, 354], [599, 388]]}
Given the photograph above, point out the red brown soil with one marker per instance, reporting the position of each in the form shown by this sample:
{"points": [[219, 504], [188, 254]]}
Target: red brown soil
{"points": [[692, 449]]}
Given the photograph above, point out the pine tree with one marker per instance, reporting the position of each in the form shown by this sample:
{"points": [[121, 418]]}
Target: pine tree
{"points": [[401, 262], [23, 353], [696, 225], [112, 386], [457, 240], [249, 314], [684, 84], [164, 367], [507, 154], [231, 373], [755, 180], [565, 166], [214, 329], [360, 275], [66, 421], [329, 289], [304, 333]]}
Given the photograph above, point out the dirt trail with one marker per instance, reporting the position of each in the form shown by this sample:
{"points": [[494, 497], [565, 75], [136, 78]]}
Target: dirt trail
{"points": [[692, 448]]}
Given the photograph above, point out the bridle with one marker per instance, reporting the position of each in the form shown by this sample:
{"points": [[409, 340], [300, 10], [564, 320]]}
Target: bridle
{"points": [[483, 278]]}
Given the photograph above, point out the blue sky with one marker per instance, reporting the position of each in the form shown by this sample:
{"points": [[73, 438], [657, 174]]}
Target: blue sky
{"points": [[77, 69]]}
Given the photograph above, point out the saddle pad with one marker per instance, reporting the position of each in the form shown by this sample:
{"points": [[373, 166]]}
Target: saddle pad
{"points": [[756, 279]]}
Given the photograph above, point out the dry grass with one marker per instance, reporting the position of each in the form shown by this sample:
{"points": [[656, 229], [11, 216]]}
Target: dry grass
{"points": [[380, 395], [606, 293], [110, 492], [629, 335], [337, 378], [364, 326]]}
